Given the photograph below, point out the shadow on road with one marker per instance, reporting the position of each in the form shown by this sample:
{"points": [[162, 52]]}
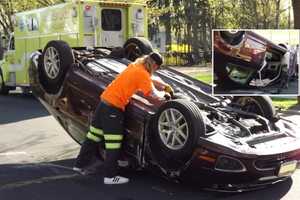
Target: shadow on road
{"points": [[17, 107], [56, 180], [274, 192]]}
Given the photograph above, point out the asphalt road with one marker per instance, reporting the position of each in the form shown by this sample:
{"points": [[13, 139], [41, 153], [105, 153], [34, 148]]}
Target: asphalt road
{"points": [[36, 156]]}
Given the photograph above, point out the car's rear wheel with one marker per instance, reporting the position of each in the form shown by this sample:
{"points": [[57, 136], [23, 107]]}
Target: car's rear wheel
{"points": [[177, 128], [136, 47], [3, 89], [261, 105], [232, 37], [56, 58]]}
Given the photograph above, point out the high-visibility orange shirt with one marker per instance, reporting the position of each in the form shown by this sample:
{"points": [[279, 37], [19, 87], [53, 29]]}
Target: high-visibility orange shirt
{"points": [[134, 78]]}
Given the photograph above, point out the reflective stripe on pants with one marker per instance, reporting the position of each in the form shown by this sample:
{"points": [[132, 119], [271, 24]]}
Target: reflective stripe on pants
{"points": [[95, 134], [113, 141]]}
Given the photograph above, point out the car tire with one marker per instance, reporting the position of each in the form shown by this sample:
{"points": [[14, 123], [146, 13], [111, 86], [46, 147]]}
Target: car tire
{"points": [[136, 47], [54, 62], [261, 105], [4, 90], [169, 151], [232, 38]]}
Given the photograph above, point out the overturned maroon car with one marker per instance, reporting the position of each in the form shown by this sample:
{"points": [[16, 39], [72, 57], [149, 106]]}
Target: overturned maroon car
{"points": [[245, 59], [226, 144]]}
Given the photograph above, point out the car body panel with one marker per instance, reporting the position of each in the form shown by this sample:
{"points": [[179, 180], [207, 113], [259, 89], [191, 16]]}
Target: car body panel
{"points": [[78, 97], [252, 48]]}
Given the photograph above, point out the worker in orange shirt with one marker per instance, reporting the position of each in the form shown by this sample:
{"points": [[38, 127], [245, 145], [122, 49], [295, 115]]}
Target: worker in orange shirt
{"points": [[107, 123]]}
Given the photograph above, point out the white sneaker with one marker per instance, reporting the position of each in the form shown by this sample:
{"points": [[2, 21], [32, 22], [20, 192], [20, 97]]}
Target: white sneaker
{"points": [[123, 163], [115, 180]]}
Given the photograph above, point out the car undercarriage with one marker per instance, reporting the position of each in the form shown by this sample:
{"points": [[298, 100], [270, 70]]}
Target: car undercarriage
{"points": [[194, 136]]}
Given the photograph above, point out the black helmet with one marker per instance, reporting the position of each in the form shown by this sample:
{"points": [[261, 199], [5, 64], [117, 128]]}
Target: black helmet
{"points": [[156, 57]]}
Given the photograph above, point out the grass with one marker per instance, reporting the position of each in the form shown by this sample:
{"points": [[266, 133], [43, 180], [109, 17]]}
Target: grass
{"points": [[284, 103], [205, 77]]}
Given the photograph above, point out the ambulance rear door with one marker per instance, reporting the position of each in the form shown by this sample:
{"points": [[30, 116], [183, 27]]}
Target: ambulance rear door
{"points": [[112, 25]]}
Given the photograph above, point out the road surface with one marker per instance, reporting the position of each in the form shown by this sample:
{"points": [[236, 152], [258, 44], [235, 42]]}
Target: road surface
{"points": [[36, 156]]}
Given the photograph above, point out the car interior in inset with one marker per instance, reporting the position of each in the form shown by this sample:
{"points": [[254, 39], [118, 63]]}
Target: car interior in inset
{"points": [[247, 63]]}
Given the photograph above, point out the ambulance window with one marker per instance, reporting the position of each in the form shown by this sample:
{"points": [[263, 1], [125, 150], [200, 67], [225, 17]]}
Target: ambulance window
{"points": [[12, 43], [32, 24], [35, 24], [111, 20]]}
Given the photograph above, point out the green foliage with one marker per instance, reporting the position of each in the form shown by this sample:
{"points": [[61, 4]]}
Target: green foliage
{"points": [[190, 21], [205, 77], [249, 14], [284, 103], [184, 21]]}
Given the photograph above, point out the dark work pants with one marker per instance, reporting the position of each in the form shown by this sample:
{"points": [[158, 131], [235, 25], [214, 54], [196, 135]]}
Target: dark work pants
{"points": [[106, 128], [94, 139]]}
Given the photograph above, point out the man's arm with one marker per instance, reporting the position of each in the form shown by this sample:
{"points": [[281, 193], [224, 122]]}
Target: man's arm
{"points": [[158, 95], [162, 86]]}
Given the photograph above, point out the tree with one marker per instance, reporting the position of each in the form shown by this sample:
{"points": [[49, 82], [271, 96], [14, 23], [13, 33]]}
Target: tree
{"points": [[296, 8], [6, 13]]}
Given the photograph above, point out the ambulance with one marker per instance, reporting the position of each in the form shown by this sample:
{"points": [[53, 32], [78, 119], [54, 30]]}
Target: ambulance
{"points": [[79, 23]]}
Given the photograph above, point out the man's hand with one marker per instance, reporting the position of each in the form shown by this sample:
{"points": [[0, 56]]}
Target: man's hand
{"points": [[169, 90]]}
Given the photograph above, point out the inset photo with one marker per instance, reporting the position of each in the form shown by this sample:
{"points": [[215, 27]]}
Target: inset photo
{"points": [[256, 62]]}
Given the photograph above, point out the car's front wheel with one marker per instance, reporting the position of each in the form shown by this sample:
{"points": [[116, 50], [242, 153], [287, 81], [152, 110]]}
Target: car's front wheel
{"points": [[177, 127], [56, 58]]}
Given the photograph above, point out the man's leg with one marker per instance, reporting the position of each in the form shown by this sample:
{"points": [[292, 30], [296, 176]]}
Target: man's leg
{"points": [[113, 135], [89, 148], [94, 137], [113, 147]]}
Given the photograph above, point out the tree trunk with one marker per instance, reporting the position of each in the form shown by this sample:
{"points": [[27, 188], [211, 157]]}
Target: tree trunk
{"points": [[296, 8], [167, 24], [277, 14]]}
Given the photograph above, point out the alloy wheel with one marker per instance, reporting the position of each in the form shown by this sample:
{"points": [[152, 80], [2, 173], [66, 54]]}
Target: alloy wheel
{"points": [[52, 63], [173, 129]]}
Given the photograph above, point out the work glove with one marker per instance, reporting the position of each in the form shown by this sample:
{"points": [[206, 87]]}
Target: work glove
{"points": [[169, 90]]}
